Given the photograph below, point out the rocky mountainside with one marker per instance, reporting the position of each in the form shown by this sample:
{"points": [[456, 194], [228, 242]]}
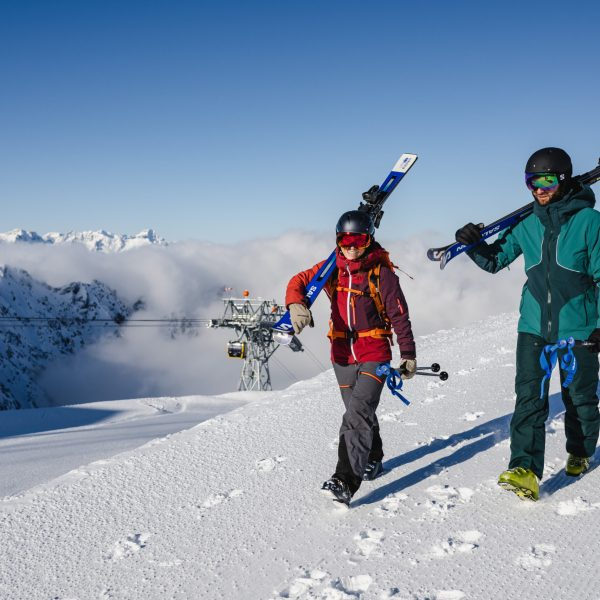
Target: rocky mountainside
{"points": [[38, 323]]}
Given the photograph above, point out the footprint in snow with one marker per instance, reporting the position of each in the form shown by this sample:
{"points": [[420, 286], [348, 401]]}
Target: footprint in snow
{"points": [[472, 416], [570, 508], [392, 416], [268, 464], [318, 584], [128, 547], [367, 544], [216, 499], [431, 399], [351, 587], [303, 585], [444, 498], [538, 559], [462, 542], [391, 505]]}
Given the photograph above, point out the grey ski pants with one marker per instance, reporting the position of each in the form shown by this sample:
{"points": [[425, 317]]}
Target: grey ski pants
{"points": [[360, 441]]}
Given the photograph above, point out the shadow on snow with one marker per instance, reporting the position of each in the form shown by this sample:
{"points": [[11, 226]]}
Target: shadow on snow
{"points": [[486, 436], [46, 420]]}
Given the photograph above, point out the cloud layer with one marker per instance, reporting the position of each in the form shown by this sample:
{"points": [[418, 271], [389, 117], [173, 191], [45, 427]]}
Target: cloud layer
{"points": [[187, 279]]}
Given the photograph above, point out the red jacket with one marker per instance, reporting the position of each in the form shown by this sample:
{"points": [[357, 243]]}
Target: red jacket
{"points": [[352, 313]]}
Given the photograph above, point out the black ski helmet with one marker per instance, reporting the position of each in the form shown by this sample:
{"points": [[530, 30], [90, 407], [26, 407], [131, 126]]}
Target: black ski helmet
{"points": [[550, 160], [355, 221]]}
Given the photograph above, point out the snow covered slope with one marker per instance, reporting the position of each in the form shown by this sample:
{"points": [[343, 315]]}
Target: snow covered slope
{"points": [[100, 241], [231, 509], [46, 443]]}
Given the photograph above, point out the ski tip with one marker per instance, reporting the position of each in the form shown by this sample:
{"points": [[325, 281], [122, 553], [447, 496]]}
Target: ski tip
{"points": [[404, 163], [437, 254]]}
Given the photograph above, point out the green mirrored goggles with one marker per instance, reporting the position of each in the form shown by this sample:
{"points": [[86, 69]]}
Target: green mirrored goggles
{"points": [[541, 181]]}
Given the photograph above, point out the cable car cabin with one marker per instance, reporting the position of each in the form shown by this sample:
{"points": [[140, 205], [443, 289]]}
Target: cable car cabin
{"points": [[236, 349]]}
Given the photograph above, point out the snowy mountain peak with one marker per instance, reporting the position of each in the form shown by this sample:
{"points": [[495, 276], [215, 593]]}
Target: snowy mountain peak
{"points": [[98, 241], [20, 235]]}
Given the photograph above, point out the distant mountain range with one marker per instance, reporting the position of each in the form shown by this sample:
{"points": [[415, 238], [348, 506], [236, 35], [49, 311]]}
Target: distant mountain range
{"points": [[99, 241], [39, 323]]}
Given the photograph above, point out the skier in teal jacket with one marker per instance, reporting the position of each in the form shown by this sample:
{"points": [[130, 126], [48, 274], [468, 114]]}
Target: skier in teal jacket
{"points": [[560, 242]]}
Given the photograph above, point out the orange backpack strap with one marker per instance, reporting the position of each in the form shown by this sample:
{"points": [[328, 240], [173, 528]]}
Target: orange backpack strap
{"points": [[374, 279]]}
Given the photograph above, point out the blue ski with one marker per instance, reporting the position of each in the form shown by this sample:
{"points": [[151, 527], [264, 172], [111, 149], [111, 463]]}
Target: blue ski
{"points": [[374, 200], [446, 253]]}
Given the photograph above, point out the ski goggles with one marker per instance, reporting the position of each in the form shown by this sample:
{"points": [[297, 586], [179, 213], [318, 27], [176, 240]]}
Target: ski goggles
{"points": [[541, 181], [353, 240]]}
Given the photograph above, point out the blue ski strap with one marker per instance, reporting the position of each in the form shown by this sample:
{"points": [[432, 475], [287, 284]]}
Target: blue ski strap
{"points": [[393, 380], [568, 362]]}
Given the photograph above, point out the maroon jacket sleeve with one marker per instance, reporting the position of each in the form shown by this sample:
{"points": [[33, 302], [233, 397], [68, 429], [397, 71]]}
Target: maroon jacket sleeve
{"points": [[296, 288], [397, 311]]}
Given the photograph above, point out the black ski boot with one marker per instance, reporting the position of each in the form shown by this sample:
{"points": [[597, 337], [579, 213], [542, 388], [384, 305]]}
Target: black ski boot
{"points": [[373, 470], [338, 489]]}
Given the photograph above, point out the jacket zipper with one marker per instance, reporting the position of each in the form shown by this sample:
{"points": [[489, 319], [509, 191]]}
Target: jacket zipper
{"points": [[549, 300], [349, 313]]}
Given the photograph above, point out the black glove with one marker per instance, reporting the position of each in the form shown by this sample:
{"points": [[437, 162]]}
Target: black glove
{"points": [[595, 338], [469, 234]]}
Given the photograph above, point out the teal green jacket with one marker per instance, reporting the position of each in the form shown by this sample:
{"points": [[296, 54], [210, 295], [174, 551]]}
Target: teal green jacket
{"points": [[560, 243]]}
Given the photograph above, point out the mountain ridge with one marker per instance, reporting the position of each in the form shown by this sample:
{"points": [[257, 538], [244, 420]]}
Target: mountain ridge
{"points": [[99, 240]]}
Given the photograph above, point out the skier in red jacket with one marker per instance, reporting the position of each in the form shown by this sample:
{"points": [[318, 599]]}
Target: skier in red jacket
{"points": [[367, 305]]}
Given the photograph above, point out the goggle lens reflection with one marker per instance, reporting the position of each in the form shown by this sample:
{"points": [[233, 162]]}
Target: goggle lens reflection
{"points": [[541, 181], [356, 240]]}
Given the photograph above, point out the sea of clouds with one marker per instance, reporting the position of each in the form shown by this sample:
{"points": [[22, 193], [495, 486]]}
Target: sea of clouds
{"points": [[187, 279]]}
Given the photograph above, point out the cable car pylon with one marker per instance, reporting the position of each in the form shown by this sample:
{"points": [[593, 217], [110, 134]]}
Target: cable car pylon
{"points": [[252, 320]]}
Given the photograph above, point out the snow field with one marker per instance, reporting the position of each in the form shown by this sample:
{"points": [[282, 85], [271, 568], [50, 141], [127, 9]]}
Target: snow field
{"points": [[231, 508]]}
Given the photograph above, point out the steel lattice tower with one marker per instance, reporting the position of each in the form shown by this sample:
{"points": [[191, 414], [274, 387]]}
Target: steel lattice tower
{"points": [[252, 319]]}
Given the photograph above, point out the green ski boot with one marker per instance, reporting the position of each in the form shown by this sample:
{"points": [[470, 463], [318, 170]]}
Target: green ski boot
{"points": [[523, 482], [577, 465]]}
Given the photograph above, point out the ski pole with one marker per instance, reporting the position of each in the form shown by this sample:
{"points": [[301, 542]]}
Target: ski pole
{"points": [[443, 375], [434, 367]]}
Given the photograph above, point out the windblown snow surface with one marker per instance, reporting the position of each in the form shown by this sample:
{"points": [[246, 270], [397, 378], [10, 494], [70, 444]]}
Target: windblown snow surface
{"points": [[231, 509]]}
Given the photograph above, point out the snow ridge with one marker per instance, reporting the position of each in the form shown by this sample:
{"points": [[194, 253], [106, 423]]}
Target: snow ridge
{"points": [[98, 241]]}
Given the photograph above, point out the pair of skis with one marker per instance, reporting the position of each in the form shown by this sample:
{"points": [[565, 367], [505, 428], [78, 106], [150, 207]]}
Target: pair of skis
{"points": [[373, 201], [446, 253]]}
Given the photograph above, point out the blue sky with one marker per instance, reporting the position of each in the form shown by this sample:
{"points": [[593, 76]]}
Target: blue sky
{"points": [[229, 121]]}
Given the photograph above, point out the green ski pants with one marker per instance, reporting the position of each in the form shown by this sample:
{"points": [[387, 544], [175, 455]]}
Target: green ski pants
{"points": [[527, 426]]}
